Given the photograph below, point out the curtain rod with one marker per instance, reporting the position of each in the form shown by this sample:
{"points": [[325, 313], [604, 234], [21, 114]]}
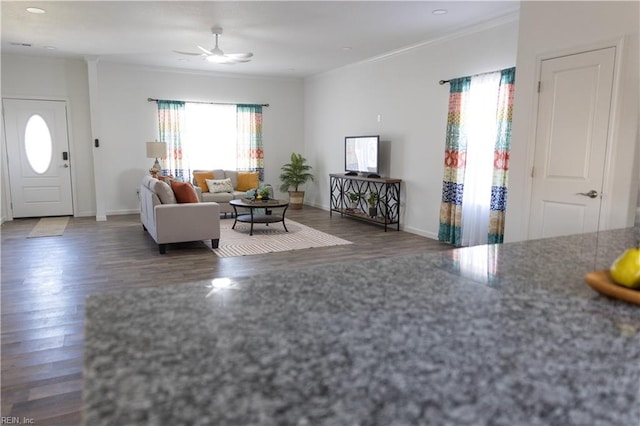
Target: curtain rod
{"points": [[202, 102], [441, 82]]}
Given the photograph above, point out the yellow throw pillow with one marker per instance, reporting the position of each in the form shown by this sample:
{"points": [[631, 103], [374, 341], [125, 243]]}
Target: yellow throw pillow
{"points": [[201, 179], [247, 181]]}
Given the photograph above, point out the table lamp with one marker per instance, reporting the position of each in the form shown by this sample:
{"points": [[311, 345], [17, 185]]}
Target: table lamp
{"points": [[157, 150]]}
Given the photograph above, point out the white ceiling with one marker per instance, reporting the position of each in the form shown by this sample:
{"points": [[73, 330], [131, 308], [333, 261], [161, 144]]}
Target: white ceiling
{"points": [[287, 38]]}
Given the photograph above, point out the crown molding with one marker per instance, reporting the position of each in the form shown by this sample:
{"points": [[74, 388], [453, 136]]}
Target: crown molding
{"points": [[463, 32]]}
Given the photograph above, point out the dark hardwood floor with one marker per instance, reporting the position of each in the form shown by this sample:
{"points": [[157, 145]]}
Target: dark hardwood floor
{"points": [[46, 280]]}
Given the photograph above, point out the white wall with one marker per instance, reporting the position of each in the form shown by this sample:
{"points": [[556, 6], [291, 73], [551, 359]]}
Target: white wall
{"points": [[31, 77], [127, 120], [552, 27], [404, 90]]}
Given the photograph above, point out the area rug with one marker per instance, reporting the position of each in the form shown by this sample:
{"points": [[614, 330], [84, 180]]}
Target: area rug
{"points": [[269, 239], [49, 227]]}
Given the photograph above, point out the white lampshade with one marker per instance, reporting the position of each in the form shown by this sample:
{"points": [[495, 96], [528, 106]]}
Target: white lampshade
{"points": [[156, 150]]}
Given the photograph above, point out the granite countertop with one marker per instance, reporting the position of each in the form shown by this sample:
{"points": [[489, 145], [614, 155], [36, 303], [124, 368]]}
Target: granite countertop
{"points": [[491, 335]]}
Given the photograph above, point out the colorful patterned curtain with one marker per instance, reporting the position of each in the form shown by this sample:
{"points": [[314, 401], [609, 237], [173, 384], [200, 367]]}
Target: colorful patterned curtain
{"points": [[171, 122], [454, 163], [249, 126], [501, 156]]}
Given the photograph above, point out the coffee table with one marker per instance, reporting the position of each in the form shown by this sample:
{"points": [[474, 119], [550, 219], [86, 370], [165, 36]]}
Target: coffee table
{"points": [[251, 217]]}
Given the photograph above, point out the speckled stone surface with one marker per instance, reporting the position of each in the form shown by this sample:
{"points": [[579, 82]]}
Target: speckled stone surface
{"points": [[490, 335]]}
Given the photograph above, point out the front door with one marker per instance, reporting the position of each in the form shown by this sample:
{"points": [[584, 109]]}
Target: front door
{"points": [[38, 157], [571, 139]]}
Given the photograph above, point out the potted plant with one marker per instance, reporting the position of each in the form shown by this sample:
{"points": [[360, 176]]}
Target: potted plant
{"points": [[264, 193], [295, 174], [372, 200], [354, 197]]}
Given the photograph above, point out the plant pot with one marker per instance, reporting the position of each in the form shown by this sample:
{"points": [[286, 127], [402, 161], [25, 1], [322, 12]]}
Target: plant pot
{"points": [[373, 211], [296, 199], [353, 205]]}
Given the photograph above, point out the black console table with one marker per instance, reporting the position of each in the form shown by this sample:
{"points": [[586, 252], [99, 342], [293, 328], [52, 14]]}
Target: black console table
{"points": [[387, 205]]}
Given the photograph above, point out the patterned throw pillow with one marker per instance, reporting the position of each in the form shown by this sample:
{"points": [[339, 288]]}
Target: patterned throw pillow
{"points": [[184, 192], [201, 179], [221, 185], [247, 180]]}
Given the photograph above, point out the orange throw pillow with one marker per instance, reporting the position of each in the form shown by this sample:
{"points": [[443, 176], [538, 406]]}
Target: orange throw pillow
{"points": [[184, 192], [247, 181], [201, 179]]}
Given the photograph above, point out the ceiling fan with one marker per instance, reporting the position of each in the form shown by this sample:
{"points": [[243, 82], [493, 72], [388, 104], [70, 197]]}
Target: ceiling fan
{"points": [[216, 55]]}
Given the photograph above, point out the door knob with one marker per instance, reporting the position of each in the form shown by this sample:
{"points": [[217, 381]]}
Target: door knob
{"points": [[591, 194], [65, 165]]}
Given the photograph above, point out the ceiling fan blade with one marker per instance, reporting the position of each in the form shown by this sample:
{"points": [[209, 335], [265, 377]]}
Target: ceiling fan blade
{"points": [[239, 55], [188, 53], [216, 55]]}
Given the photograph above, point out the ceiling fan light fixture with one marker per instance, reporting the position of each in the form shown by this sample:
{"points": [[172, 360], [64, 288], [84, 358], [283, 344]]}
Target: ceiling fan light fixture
{"points": [[217, 59], [217, 51]]}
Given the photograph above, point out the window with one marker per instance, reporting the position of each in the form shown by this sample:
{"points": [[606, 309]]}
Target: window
{"points": [[481, 130], [38, 144], [210, 136]]}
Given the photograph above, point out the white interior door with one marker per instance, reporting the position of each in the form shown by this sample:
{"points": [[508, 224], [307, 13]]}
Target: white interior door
{"points": [[571, 139], [38, 157]]}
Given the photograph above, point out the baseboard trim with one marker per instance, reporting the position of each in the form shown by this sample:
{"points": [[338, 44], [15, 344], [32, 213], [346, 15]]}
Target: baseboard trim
{"points": [[121, 212]]}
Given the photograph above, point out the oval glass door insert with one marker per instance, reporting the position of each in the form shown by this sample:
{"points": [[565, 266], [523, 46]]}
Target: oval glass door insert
{"points": [[38, 144]]}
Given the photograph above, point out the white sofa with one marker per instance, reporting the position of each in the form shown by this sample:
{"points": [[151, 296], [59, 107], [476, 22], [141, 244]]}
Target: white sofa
{"points": [[223, 198], [168, 221]]}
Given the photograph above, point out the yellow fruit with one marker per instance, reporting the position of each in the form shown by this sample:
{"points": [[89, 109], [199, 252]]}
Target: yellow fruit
{"points": [[625, 270]]}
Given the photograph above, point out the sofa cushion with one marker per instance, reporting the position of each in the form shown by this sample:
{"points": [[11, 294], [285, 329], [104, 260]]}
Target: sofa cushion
{"points": [[219, 185], [184, 192], [163, 191], [200, 179], [247, 180], [217, 197], [233, 175]]}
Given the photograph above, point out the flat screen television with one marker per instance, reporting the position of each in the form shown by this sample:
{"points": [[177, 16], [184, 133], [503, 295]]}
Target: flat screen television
{"points": [[362, 155]]}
